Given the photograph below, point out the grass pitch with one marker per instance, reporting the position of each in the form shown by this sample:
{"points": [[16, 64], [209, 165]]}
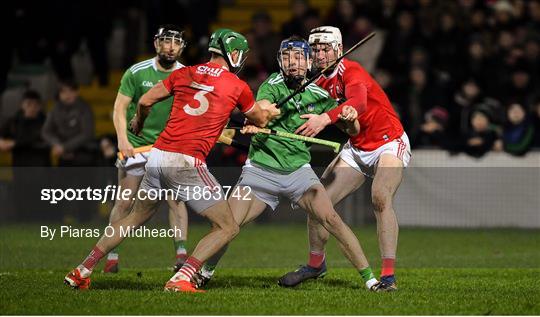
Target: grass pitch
{"points": [[440, 271]]}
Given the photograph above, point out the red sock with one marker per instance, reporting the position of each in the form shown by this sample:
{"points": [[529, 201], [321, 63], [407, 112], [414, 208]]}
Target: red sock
{"points": [[387, 266], [316, 259], [181, 257], [93, 258], [191, 266]]}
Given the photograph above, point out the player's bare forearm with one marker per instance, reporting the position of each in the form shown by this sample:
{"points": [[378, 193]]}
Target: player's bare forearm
{"points": [[137, 122], [119, 116], [120, 124], [351, 128], [263, 112], [349, 119], [151, 97], [154, 95]]}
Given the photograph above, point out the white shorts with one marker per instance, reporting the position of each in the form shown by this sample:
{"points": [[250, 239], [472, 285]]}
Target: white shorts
{"points": [[183, 178], [134, 165], [365, 161]]}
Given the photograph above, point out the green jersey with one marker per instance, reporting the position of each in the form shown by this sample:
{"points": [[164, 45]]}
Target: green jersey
{"points": [[281, 154], [136, 82]]}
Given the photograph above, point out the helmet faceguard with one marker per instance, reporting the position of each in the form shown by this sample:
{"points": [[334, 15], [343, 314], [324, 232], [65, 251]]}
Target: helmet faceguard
{"points": [[330, 37], [225, 42], [169, 43], [294, 58]]}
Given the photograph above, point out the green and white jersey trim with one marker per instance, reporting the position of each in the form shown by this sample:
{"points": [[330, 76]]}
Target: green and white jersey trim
{"points": [[150, 63]]}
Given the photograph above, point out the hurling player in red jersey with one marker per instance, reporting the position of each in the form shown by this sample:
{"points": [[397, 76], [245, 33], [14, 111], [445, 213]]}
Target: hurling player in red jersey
{"points": [[204, 97], [381, 150]]}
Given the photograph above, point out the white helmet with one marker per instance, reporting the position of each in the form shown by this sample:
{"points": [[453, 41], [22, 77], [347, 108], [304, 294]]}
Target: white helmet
{"points": [[326, 35]]}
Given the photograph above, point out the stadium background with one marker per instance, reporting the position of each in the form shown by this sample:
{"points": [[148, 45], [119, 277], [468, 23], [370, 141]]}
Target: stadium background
{"points": [[440, 62]]}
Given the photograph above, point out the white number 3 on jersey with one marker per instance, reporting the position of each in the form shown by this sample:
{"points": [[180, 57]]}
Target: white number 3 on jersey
{"points": [[199, 96]]}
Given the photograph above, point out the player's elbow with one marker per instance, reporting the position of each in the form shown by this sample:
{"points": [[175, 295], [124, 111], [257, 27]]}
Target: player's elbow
{"points": [[145, 101]]}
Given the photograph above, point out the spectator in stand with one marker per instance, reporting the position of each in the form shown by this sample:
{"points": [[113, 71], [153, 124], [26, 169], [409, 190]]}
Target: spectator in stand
{"points": [[400, 41], [532, 59], [433, 130], [69, 128], [448, 48], [428, 15], [368, 55], [312, 20], [482, 136], [22, 134], [518, 133], [264, 41], [534, 14], [536, 123], [295, 26], [520, 87], [421, 95], [479, 65], [342, 16], [465, 100]]}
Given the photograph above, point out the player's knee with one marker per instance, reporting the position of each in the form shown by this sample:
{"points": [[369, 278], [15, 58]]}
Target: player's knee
{"points": [[331, 220], [231, 230], [316, 192], [381, 201], [122, 206]]}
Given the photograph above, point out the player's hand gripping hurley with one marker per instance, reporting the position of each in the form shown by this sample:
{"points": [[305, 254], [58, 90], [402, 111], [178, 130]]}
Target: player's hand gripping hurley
{"points": [[253, 129]]}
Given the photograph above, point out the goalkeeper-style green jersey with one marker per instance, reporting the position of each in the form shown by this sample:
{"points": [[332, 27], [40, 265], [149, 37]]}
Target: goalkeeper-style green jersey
{"points": [[278, 153], [136, 81]]}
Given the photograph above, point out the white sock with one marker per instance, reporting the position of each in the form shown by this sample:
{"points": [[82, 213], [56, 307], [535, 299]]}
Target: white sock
{"points": [[371, 282], [112, 256], [206, 273], [179, 276], [84, 271]]}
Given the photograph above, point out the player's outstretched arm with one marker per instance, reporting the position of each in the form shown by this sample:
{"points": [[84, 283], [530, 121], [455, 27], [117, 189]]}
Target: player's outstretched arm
{"points": [[356, 97], [151, 97], [120, 124], [263, 111]]}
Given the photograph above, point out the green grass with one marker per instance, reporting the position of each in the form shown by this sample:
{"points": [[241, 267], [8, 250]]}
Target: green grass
{"points": [[440, 271]]}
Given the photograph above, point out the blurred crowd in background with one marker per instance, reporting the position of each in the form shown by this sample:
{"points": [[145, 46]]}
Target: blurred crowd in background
{"points": [[463, 75]]}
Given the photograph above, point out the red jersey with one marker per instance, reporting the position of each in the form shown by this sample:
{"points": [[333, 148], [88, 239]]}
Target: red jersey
{"points": [[204, 97], [379, 123]]}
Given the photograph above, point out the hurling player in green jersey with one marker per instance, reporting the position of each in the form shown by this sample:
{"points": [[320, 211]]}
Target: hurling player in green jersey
{"points": [[137, 80], [279, 167]]}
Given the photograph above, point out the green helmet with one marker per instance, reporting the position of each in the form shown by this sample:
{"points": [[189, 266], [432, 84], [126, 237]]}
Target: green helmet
{"points": [[228, 40]]}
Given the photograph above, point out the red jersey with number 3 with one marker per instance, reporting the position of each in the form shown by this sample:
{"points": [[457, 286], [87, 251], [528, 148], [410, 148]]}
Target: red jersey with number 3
{"points": [[379, 123], [204, 97]]}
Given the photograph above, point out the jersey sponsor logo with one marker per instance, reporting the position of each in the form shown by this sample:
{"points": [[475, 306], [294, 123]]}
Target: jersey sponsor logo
{"points": [[205, 70], [147, 83]]}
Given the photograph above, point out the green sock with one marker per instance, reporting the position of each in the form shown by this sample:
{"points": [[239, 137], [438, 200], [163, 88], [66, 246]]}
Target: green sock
{"points": [[209, 268], [179, 245], [366, 274]]}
